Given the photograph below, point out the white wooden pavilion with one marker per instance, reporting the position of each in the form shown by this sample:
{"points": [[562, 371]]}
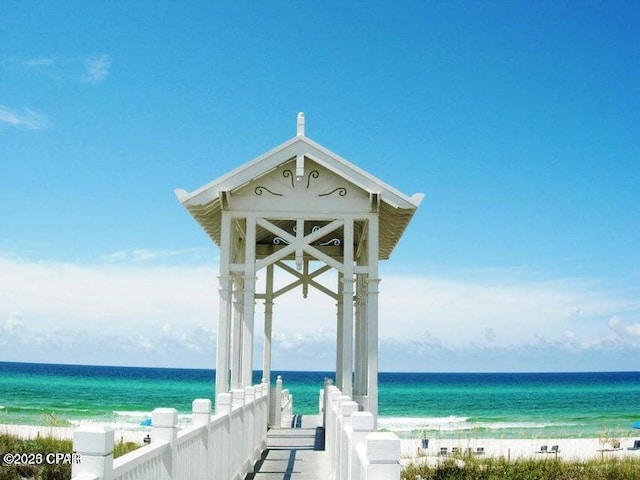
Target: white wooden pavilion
{"points": [[294, 207]]}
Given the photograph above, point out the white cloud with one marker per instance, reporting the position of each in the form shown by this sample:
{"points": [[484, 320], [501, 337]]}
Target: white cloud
{"points": [[96, 68], [25, 119], [135, 308], [627, 333], [40, 62], [146, 255], [109, 297], [92, 68]]}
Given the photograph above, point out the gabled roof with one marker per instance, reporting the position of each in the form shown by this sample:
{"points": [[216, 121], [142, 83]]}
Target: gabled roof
{"points": [[395, 211]]}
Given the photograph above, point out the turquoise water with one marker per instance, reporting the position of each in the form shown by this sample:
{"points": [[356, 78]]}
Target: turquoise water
{"points": [[526, 405]]}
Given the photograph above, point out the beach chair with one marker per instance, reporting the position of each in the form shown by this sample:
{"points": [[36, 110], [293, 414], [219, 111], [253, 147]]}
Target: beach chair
{"points": [[636, 445], [455, 451], [479, 451], [444, 451], [555, 449], [543, 449]]}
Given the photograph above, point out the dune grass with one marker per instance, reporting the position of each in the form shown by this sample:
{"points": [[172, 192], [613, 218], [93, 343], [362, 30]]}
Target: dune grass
{"points": [[44, 445], [535, 469]]}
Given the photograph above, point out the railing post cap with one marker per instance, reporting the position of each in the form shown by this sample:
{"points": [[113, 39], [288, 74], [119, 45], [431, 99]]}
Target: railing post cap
{"points": [[341, 399], [333, 394], [201, 405], [362, 421], [164, 417], [383, 447], [93, 440], [348, 408], [224, 398]]}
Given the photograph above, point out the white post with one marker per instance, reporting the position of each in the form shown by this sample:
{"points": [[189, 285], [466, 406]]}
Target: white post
{"points": [[164, 423], [275, 416], [372, 318], [237, 398], [330, 426], [347, 310], [201, 415], [236, 339], [238, 439], [337, 434], [347, 409], [361, 426], [94, 445], [383, 456], [224, 308], [361, 356], [201, 408], [265, 413], [223, 403], [249, 419], [249, 308], [339, 332], [222, 466], [268, 322], [257, 423]]}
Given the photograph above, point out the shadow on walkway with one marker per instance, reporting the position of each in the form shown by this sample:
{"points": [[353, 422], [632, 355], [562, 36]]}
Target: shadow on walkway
{"points": [[292, 453]]}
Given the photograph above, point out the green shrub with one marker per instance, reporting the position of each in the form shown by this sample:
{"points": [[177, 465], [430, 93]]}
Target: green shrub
{"points": [[535, 469], [13, 444]]}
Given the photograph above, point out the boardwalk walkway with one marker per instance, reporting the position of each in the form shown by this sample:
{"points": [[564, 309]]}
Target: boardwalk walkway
{"points": [[295, 452]]}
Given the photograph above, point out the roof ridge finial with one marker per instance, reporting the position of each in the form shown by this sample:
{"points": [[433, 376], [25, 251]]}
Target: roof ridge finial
{"points": [[300, 130]]}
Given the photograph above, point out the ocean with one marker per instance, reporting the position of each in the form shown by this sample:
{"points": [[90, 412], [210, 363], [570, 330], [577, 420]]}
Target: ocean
{"points": [[434, 405]]}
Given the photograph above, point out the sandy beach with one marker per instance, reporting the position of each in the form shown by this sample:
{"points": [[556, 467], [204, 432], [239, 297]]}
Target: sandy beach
{"points": [[411, 449], [580, 449], [34, 431]]}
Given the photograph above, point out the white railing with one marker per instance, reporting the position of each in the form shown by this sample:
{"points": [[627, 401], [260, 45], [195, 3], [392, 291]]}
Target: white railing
{"points": [[223, 446], [355, 451]]}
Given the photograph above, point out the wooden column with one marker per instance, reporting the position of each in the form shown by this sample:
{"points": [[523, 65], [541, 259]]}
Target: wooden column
{"points": [[224, 309], [347, 310], [360, 357], [339, 334], [268, 320], [236, 336], [248, 297], [372, 316]]}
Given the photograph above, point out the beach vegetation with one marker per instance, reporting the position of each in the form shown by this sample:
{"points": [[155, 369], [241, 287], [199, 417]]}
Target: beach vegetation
{"points": [[533, 469], [50, 419], [44, 445]]}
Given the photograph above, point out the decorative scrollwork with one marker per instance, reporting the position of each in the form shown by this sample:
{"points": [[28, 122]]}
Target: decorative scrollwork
{"points": [[259, 190], [289, 174], [312, 174], [341, 191], [315, 228], [280, 241], [333, 242]]}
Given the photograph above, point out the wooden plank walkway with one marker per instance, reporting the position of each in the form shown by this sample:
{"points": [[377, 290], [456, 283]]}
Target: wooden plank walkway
{"points": [[295, 452]]}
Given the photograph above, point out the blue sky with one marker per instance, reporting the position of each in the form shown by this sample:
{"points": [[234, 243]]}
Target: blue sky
{"points": [[518, 120]]}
